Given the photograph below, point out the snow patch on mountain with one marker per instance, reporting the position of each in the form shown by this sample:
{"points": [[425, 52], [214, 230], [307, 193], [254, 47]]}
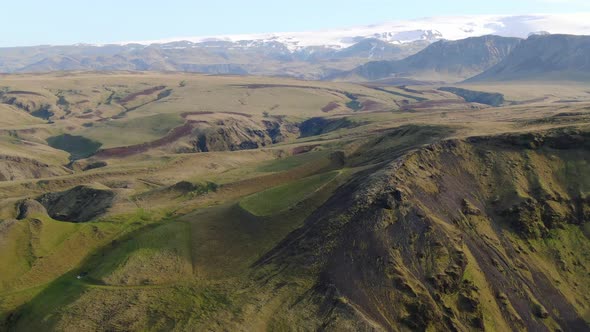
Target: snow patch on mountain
{"points": [[400, 32]]}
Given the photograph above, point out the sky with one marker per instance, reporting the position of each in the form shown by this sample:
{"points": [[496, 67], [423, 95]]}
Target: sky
{"points": [[63, 22]]}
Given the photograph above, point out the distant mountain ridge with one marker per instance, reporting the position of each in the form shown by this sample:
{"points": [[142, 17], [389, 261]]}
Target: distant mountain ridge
{"points": [[306, 55], [213, 57], [444, 60], [543, 57]]}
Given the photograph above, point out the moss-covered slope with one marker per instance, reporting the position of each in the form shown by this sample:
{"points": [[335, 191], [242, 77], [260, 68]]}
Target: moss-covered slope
{"points": [[484, 233]]}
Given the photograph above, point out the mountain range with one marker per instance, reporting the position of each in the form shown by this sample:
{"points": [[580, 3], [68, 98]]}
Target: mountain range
{"points": [[307, 55]]}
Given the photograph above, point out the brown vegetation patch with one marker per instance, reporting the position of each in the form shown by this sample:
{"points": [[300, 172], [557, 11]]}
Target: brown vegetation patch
{"points": [[303, 149], [433, 104], [330, 107], [187, 114], [266, 86], [196, 121], [87, 116], [371, 105], [126, 151], [31, 93], [146, 92], [406, 89]]}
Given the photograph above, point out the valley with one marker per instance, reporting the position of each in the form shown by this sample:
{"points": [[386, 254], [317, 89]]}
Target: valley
{"points": [[177, 201]]}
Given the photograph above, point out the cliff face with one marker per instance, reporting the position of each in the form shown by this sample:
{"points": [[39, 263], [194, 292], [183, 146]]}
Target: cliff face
{"points": [[233, 134], [460, 235]]}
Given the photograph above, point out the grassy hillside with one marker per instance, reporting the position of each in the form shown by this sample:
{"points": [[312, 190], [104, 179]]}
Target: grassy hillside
{"points": [[190, 202], [283, 197]]}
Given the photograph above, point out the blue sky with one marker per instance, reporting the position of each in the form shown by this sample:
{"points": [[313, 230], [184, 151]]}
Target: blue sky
{"points": [[35, 22]]}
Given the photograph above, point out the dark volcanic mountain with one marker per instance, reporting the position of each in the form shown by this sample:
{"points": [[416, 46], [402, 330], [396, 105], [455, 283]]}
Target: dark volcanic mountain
{"points": [[442, 238], [443, 60], [554, 57]]}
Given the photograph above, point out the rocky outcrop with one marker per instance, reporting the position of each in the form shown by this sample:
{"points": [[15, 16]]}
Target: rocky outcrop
{"points": [[86, 165], [79, 204], [233, 134], [30, 208], [318, 126], [210, 132]]}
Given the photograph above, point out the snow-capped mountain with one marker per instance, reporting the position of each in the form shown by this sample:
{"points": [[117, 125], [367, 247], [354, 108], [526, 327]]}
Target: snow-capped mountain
{"points": [[309, 55], [427, 29]]}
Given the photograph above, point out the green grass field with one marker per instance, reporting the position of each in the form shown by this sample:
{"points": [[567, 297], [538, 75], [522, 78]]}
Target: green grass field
{"points": [[137, 130], [158, 256], [290, 162], [278, 199]]}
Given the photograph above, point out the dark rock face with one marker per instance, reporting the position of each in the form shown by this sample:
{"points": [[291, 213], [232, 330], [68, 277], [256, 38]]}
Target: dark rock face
{"points": [[442, 235], [79, 204], [95, 165], [184, 186], [319, 126], [241, 134], [30, 208], [487, 98]]}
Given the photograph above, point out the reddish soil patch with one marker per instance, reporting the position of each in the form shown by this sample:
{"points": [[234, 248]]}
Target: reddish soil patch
{"points": [[263, 86], [187, 114], [303, 149], [406, 89], [87, 116], [535, 100], [432, 104], [146, 92], [18, 92], [197, 121], [330, 107], [371, 105], [127, 151]]}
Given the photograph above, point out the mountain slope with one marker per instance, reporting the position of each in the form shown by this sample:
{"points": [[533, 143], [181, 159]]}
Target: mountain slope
{"points": [[484, 233], [443, 60], [555, 57]]}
